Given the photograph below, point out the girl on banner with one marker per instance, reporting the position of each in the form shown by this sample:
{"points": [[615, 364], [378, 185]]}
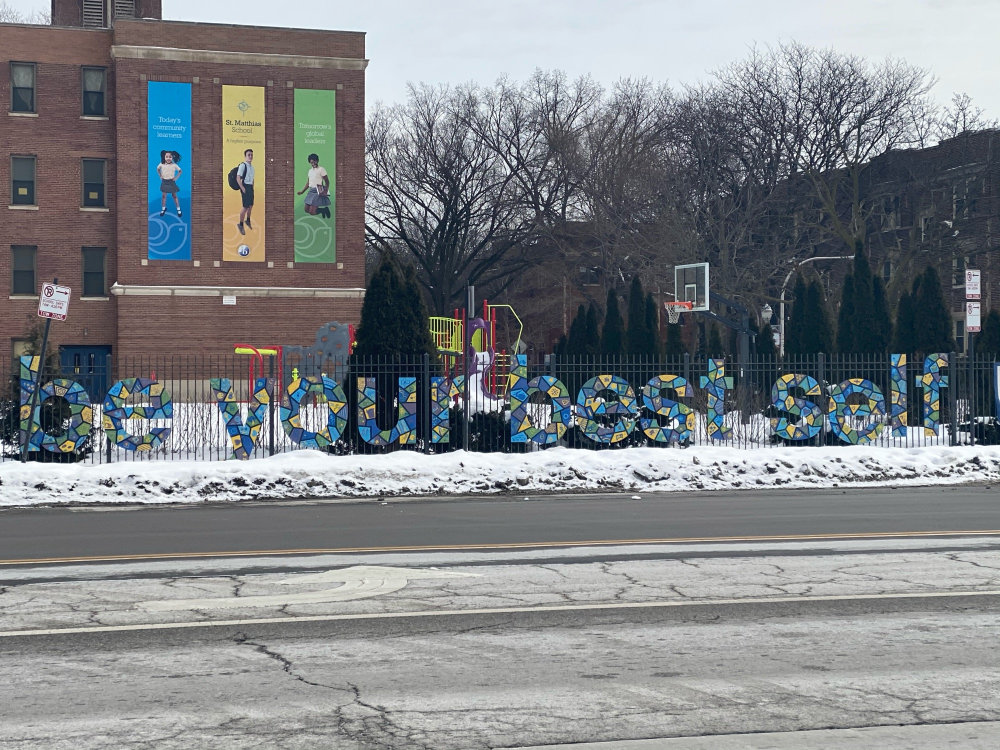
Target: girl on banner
{"points": [[318, 184], [168, 171]]}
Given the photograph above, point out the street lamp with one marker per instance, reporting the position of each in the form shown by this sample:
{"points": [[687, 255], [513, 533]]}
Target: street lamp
{"points": [[766, 313], [784, 285]]}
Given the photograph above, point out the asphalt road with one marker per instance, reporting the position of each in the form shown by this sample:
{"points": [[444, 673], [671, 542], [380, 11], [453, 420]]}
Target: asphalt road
{"points": [[110, 531], [476, 681]]}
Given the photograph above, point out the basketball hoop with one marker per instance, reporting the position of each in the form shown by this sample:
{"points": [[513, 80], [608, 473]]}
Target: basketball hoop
{"points": [[674, 310]]}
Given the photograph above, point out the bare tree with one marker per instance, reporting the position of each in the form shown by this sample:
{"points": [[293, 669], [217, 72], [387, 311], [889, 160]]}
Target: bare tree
{"points": [[436, 188], [802, 125], [962, 116]]}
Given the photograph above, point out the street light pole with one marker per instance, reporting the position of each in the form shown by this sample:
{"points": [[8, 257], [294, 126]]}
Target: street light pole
{"points": [[784, 285]]}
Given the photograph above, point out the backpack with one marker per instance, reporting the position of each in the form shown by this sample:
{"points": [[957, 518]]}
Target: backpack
{"points": [[232, 177]]}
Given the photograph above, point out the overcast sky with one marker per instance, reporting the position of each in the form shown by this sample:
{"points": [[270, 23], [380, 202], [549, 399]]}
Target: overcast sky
{"points": [[676, 41]]}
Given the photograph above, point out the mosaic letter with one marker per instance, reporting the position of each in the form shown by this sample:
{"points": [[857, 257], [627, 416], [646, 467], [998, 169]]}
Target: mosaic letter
{"points": [[81, 420], [716, 384], [116, 413], [522, 423], [680, 416], [933, 381], [809, 417], [841, 412], [243, 436], [336, 418], [589, 404], [405, 430], [897, 409]]}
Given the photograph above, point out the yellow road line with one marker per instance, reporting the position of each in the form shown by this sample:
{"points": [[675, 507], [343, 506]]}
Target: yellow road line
{"points": [[489, 547]]}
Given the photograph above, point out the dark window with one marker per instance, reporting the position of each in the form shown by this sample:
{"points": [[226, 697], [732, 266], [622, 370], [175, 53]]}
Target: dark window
{"points": [[94, 86], [22, 180], [93, 272], [93, 183], [22, 87], [22, 279]]}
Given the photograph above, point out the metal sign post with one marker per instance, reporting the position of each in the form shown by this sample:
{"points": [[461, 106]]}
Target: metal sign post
{"points": [[973, 324], [53, 303]]}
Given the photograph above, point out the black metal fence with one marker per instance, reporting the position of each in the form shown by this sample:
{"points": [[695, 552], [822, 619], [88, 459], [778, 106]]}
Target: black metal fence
{"points": [[609, 413]]}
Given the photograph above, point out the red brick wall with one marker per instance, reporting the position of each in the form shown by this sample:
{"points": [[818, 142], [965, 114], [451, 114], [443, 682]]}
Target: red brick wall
{"points": [[60, 138]]}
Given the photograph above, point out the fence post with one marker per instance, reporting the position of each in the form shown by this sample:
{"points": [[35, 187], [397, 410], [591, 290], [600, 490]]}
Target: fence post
{"points": [[276, 393], [109, 380], [425, 399], [821, 377], [953, 397]]}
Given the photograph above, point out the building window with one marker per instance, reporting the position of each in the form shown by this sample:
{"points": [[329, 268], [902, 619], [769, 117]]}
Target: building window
{"points": [[22, 87], [886, 271], [22, 277], [93, 272], [94, 85], [960, 335], [22, 180], [21, 347], [93, 183], [958, 265]]}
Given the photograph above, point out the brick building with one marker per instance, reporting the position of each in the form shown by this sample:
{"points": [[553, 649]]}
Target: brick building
{"points": [[938, 206], [82, 181]]}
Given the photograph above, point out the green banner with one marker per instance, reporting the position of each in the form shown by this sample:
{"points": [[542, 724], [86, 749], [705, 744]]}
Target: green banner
{"points": [[315, 176]]}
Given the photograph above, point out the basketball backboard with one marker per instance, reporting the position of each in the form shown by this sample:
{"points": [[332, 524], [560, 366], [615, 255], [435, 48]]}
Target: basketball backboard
{"points": [[691, 285]]}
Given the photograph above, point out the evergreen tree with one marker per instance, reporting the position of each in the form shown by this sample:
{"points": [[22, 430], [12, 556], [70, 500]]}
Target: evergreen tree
{"points": [[795, 325], [592, 335], [881, 320], [414, 321], [576, 342], [652, 313], [904, 340], [817, 333], [714, 343], [987, 342], [845, 317], [765, 342], [638, 334], [932, 320], [674, 345], [378, 332], [862, 323], [560, 348], [613, 331]]}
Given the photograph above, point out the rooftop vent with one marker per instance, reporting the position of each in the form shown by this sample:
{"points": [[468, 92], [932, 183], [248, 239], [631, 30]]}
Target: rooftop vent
{"points": [[93, 14], [124, 8]]}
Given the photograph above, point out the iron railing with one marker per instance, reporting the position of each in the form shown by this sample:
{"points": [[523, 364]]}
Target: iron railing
{"points": [[618, 410]]}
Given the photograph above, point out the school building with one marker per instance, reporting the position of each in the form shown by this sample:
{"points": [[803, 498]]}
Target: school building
{"points": [[120, 133]]}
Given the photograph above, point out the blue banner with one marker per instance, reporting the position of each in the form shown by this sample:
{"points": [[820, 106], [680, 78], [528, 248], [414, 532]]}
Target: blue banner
{"points": [[168, 152]]}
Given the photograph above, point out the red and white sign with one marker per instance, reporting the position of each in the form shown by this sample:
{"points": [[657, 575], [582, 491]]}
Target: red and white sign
{"points": [[972, 319], [53, 302], [973, 286]]}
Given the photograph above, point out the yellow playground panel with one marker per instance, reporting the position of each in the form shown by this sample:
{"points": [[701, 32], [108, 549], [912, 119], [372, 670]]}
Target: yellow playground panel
{"points": [[448, 334]]}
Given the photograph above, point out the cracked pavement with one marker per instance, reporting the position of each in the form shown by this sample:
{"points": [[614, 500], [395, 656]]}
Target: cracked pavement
{"points": [[457, 678]]}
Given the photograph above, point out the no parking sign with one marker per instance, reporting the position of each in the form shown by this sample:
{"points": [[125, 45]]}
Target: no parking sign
{"points": [[53, 302]]}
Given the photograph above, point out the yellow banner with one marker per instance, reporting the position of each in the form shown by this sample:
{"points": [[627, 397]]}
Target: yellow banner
{"points": [[243, 208]]}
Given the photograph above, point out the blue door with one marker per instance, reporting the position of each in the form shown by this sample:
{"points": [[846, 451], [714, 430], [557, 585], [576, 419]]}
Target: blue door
{"points": [[89, 366]]}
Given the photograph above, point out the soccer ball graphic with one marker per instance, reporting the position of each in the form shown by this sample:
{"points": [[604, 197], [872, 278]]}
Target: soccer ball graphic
{"points": [[243, 250]]}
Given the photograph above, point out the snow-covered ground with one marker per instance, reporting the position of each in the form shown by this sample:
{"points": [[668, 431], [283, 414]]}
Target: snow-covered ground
{"points": [[305, 474]]}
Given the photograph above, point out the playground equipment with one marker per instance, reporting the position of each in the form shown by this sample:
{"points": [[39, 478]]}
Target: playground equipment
{"points": [[484, 364], [257, 362]]}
